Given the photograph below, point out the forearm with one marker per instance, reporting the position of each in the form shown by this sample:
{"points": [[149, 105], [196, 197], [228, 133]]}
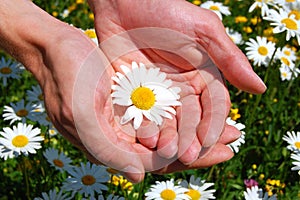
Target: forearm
{"points": [[26, 31]]}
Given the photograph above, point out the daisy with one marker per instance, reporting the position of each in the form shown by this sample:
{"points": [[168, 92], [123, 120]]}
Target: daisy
{"points": [[6, 153], [19, 111], [52, 131], [9, 69], [255, 193], [59, 161], [146, 92], [35, 95], [235, 36], [216, 7], [286, 55], [260, 50], [263, 5], [285, 73], [284, 22], [166, 191], [296, 157], [21, 139], [87, 179], [197, 189], [293, 139], [234, 146], [53, 195]]}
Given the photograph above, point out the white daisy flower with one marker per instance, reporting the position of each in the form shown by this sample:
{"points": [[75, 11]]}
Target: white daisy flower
{"points": [[146, 92], [217, 8], [19, 111], [296, 157], [284, 22], [260, 50], [285, 73], [234, 146], [166, 190], [53, 195], [52, 131], [87, 179], [263, 5], [65, 13], [58, 160], [91, 33], [235, 36], [197, 189], [21, 139], [289, 4], [9, 69], [255, 193], [286, 55], [35, 95], [293, 139]]}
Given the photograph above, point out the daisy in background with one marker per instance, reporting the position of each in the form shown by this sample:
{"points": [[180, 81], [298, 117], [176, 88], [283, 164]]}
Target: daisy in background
{"points": [[260, 51], [284, 22], [35, 95], [91, 33], [197, 189], [86, 179], [234, 146], [285, 73], [146, 93], [19, 111], [263, 5], [217, 8], [58, 160], [9, 69], [235, 36], [255, 193], [166, 190], [22, 139], [293, 140], [296, 157], [53, 195]]}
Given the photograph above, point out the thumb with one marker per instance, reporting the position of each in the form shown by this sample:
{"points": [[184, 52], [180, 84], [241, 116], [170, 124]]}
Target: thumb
{"points": [[91, 106], [226, 55]]}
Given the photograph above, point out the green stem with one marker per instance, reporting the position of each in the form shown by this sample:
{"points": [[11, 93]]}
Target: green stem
{"points": [[210, 173], [25, 175]]}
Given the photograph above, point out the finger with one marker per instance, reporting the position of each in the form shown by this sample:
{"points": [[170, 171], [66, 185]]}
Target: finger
{"points": [[148, 134], [219, 153], [94, 122], [215, 102], [189, 146], [225, 54], [167, 145], [230, 134]]}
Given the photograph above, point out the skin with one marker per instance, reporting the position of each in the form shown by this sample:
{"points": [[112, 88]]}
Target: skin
{"points": [[55, 53]]}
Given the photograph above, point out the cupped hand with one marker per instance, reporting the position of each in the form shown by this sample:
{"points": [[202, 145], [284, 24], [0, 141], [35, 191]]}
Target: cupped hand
{"points": [[188, 43]]}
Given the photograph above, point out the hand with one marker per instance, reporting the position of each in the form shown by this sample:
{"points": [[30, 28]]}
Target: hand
{"points": [[203, 42]]}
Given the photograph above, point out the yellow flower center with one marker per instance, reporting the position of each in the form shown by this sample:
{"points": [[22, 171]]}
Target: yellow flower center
{"points": [[296, 13], [285, 61], [287, 52], [290, 1], [58, 163], [5, 70], [22, 113], [20, 141], [90, 33], [168, 194], [284, 74], [214, 7], [290, 24], [263, 50], [194, 194], [297, 144], [88, 180], [41, 97], [143, 98]]}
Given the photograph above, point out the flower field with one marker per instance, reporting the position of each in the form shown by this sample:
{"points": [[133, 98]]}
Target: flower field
{"points": [[38, 163]]}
